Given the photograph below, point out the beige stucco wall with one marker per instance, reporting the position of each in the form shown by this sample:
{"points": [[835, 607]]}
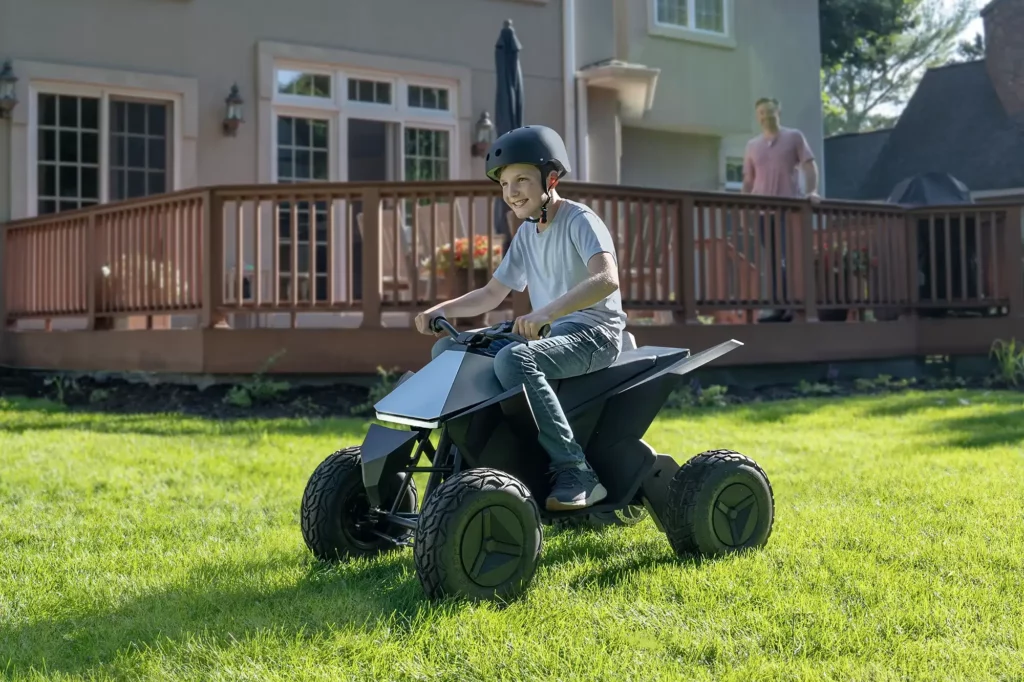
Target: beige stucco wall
{"points": [[595, 31], [654, 158], [215, 43]]}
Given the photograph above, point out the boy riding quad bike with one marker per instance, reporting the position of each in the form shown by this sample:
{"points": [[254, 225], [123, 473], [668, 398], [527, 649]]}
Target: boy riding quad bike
{"points": [[550, 406]]}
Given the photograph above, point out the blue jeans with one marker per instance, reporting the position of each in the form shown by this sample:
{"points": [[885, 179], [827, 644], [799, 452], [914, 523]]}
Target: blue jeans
{"points": [[569, 350]]}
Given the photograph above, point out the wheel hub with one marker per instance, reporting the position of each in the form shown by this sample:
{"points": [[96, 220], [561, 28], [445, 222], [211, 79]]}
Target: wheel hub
{"points": [[735, 515], [492, 546]]}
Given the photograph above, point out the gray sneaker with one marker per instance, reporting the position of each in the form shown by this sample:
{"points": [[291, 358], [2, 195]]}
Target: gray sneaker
{"points": [[574, 488]]}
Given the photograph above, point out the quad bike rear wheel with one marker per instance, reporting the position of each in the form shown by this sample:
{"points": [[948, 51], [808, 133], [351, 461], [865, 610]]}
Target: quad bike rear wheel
{"points": [[479, 537], [719, 502], [336, 523]]}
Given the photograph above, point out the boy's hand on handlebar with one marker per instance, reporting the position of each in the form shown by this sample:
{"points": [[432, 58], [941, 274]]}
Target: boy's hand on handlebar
{"points": [[530, 326], [424, 322]]}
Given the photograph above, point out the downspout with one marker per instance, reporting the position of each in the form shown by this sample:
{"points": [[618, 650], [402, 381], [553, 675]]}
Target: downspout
{"points": [[569, 84], [582, 131]]}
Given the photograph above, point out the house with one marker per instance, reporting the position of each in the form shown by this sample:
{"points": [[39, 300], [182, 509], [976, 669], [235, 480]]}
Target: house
{"points": [[716, 59], [963, 119], [647, 92], [174, 94]]}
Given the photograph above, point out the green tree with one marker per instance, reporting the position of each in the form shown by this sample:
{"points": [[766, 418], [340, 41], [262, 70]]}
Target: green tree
{"points": [[971, 50], [851, 30], [875, 79]]}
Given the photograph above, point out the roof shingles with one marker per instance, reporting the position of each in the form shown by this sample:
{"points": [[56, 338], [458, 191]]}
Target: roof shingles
{"points": [[956, 124]]}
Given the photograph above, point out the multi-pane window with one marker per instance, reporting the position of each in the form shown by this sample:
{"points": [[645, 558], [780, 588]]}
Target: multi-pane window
{"points": [[69, 165], [699, 15], [340, 125], [421, 97], [371, 92], [139, 147], [303, 146], [733, 172], [426, 154], [68, 152], [303, 84]]}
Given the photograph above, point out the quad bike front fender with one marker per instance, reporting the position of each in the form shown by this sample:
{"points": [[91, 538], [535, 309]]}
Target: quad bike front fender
{"points": [[385, 452]]}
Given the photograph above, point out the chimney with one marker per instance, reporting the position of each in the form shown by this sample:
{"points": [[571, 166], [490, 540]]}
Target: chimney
{"points": [[1004, 52]]}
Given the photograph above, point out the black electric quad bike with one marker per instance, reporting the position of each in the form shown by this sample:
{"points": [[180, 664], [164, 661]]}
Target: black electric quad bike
{"points": [[478, 531]]}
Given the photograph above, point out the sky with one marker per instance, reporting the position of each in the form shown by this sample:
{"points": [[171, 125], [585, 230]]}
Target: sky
{"points": [[976, 25]]}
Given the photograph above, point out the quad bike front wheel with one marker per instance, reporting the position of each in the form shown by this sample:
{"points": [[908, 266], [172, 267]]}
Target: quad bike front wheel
{"points": [[479, 537], [719, 502], [336, 522]]}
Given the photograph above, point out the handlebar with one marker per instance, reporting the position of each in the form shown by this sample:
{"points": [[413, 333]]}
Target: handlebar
{"points": [[499, 331], [441, 324]]}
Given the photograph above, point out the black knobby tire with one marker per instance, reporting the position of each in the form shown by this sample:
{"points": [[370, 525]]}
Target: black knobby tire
{"points": [[479, 537], [335, 501], [719, 502], [628, 516]]}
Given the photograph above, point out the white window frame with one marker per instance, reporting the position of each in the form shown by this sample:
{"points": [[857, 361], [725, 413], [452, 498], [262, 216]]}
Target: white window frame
{"points": [[731, 186], [727, 38], [339, 109], [104, 94], [47, 77], [306, 101]]}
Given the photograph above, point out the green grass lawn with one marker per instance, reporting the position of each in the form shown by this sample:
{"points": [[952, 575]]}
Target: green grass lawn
{"points": [[169, 548]]}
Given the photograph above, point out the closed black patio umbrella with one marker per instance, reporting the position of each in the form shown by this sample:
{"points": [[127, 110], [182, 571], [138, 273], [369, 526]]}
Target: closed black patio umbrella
{"points": [[508, 101]]}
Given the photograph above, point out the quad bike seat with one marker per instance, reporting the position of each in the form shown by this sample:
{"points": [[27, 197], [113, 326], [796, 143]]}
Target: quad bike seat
{"points": [[574, 391]]}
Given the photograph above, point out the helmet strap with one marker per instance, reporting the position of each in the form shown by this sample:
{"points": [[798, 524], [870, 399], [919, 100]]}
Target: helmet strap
{"points": [[544, 206]]}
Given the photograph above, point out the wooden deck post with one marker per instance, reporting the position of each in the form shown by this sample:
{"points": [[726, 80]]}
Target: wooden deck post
{"points": [[913, 290], [92, 273], [806, 226], [1014, 255], [3, 282], [687, 286], [212, 260], [371, 259]]}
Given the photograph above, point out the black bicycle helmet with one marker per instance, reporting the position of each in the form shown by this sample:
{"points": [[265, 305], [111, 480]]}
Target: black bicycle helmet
{"points": [[536, 145]]}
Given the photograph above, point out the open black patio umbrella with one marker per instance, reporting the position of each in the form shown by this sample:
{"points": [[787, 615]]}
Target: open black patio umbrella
{"points": [[930, 189], [508, 101]]}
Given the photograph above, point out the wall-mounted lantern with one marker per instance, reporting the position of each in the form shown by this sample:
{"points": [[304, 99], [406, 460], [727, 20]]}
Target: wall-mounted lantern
{"points": [[233, 114], [483, 134], [7, 98]]}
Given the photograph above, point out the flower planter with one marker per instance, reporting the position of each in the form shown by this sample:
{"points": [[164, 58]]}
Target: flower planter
{"points": [[470, 273], [462, 284]]}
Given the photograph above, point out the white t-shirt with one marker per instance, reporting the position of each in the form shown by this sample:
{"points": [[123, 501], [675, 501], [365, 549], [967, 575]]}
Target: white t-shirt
{"points": [[554, 261]]}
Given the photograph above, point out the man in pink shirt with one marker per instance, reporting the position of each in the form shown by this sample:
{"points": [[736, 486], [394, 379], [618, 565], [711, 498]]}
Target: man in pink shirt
{"points": [[770, 167]]}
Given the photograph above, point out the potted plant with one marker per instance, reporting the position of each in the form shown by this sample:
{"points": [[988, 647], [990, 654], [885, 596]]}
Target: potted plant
{"points": [[473, 267]]}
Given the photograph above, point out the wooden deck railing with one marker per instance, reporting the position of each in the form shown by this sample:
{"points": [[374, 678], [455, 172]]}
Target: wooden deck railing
{"points": [[373, 248]]}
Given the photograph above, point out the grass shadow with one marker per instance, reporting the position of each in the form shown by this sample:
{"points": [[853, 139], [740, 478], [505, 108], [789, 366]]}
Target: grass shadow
{"points": [[361, 594], [605, 564], [25, 415], [754, 413], [984, 430]]}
